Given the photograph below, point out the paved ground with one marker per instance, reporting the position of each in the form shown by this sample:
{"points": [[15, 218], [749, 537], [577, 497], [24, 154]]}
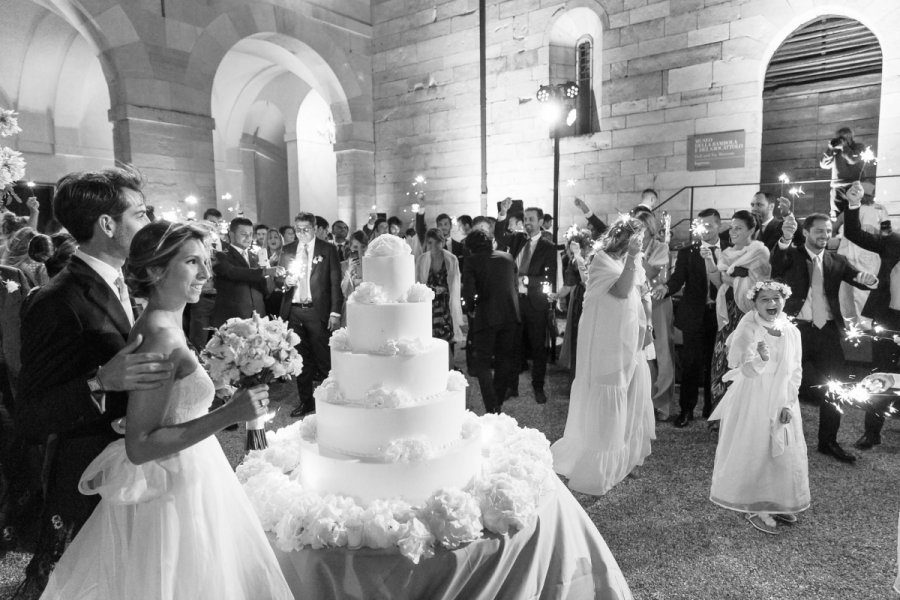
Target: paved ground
{"points": [[673, 544]]}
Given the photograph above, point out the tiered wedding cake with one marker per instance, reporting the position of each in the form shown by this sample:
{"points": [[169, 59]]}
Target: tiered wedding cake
{"points": [[390, 417], [392, 458]]}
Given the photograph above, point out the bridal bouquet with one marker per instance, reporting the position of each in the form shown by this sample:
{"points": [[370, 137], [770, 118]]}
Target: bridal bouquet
{"points": [[243, 353]]}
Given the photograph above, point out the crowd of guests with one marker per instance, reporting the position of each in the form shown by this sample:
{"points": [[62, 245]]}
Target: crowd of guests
{"points": [[71, 356]]}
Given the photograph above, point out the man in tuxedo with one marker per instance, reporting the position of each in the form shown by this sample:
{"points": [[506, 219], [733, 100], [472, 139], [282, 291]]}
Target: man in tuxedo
{"points": [[763, 206], [242, 284], [322, 228], [339, 233], [595, 224], [312, 303], [76, 366], [490, 296], [695, 314], [814, 276], [649, 198], [882, 306], [535, 258]]}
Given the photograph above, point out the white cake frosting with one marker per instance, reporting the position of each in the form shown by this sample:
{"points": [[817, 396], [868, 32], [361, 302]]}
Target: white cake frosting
{"points": [[390, 419], [369, 325]]}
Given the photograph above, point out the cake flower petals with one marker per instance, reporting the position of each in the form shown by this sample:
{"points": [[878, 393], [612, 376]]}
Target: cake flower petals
{"points": [[453, 516], [456, 382], [387, 245], [419, 292], [369, 293]]}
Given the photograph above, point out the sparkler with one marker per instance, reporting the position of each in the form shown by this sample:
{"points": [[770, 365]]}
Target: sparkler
{"points": [[796, 191], [698, 228], [571, 182], [854, 334], [783, 178], [867, 156], [855, 394]]}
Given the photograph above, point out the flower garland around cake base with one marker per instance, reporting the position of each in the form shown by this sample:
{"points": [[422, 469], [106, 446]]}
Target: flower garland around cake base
{"points": [[517, 468]]}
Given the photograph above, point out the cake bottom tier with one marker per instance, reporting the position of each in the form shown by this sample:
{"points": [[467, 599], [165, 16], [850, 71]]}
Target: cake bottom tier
{"points": [[414, 482]]}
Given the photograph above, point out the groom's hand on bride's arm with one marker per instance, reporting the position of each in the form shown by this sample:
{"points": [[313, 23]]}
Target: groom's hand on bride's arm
{"points": [[129, 370]]}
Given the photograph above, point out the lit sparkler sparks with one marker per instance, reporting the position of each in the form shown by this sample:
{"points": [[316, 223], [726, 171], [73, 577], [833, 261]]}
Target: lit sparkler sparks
{"points": [[571, 182], [867, 156], [698, 228], [783, 178], [854, 334], [796, 191]]}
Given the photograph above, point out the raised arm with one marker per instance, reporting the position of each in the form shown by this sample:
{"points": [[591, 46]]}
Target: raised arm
{"points": [[225, 269]]}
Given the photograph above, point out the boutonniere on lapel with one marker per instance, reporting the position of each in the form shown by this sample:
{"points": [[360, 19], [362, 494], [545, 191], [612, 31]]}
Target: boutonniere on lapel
{"points": [[11, 286], [317, 259]]}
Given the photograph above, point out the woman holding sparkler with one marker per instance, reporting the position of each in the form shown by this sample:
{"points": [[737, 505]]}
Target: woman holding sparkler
{"points": [[739, 268], [761, 465], [610, 422]]}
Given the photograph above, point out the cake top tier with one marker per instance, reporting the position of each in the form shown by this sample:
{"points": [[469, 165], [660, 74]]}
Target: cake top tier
{"points": [[387, 245]]}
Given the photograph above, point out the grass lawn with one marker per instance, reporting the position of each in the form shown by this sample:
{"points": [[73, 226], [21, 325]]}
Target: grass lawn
{"points": [[672, 543]]}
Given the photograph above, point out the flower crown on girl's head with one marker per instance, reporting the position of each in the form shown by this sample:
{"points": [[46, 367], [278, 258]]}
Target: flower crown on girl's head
{"points": [[781, 288]]}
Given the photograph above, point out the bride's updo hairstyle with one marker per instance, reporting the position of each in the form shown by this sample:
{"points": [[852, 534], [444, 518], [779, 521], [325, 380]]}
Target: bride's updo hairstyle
{"points": [[152, 249], [615, 240]]}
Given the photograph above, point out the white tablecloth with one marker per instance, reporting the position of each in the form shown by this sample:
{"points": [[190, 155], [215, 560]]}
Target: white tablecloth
{"points": [[562, 556]]}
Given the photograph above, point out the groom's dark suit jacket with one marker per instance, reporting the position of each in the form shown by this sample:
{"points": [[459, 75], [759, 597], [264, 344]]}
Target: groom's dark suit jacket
{"points": [[70, 327], [690, 273]]}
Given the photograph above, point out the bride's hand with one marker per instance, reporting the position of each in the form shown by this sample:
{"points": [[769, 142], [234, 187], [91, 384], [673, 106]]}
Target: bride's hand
{"points": [[248, 404]]}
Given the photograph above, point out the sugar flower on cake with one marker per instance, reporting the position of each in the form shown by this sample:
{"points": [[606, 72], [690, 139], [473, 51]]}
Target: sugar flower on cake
{"points": [[419, 292], [369, 293], [309, 430], [456, 381], [506, 502], [453, 517], [471, 426], [408, 450], [388, 245], [9, 123], [328, 391], [382, 397], [340, 340], [403, 347]]}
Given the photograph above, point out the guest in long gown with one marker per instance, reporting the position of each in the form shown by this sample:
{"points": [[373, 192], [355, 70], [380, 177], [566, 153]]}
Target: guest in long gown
{"points": [[173, 521], [572, 294], [737, 269], [610, 421], [761, 465], [439, 269], [662, 366]]}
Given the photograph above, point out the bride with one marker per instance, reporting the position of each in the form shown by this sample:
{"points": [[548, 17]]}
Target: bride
{"points": [[173, 522], [610, 423]]}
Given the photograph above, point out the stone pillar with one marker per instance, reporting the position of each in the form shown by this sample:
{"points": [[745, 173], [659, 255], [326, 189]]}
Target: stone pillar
{"points": [[293, 173], [355, 181], [173, 150]]}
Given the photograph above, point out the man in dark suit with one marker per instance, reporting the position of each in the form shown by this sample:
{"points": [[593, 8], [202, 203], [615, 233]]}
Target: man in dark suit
{"points": [[491, 299], [76, 366], [881, 306], [536, 261], [241, 283], [14, 287], [763, 206], [814, 276], [312, 303], [695, 314], [444, 224]]}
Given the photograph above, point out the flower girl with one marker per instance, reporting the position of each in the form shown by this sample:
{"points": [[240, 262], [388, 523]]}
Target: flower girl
{"points": [[761, 466]]}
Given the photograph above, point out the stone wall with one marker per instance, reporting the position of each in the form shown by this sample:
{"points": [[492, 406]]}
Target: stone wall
{"points": [[669, 69]]}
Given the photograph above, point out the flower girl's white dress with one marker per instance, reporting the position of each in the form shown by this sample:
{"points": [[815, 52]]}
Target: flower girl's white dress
{"points": [[177, 528], [761, 463]]}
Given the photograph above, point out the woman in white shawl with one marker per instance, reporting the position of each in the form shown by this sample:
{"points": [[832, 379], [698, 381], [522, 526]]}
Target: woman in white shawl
{"points": [[439, 269], [738, 268], [610, 422], [761, 465]]}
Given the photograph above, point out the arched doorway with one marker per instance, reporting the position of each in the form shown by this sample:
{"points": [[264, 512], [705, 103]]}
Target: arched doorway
{"points": [[825, 75], [272, 99], [53, 77]]}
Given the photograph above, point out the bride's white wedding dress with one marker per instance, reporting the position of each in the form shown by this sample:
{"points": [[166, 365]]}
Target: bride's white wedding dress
{"points": [[177, 528]]}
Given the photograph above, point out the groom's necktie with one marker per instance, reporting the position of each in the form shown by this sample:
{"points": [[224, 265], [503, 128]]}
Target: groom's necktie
{"points": [[124, 298], [712, 290]]}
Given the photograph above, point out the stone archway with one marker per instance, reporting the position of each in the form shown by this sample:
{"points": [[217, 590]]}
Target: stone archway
{"points": [[826, 74]]}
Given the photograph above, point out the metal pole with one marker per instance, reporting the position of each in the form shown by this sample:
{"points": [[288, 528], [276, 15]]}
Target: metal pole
{"points": [[482, 63], [555, 184]]}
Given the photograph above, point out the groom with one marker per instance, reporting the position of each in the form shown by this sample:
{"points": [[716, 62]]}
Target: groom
{"points": [[76, 365]]}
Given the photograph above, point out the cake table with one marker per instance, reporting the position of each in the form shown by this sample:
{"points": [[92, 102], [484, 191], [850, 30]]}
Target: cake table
{"points": [[561, 556]]}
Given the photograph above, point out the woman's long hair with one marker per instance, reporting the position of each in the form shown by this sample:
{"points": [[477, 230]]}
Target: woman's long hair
{"points": [[615, 241]]}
